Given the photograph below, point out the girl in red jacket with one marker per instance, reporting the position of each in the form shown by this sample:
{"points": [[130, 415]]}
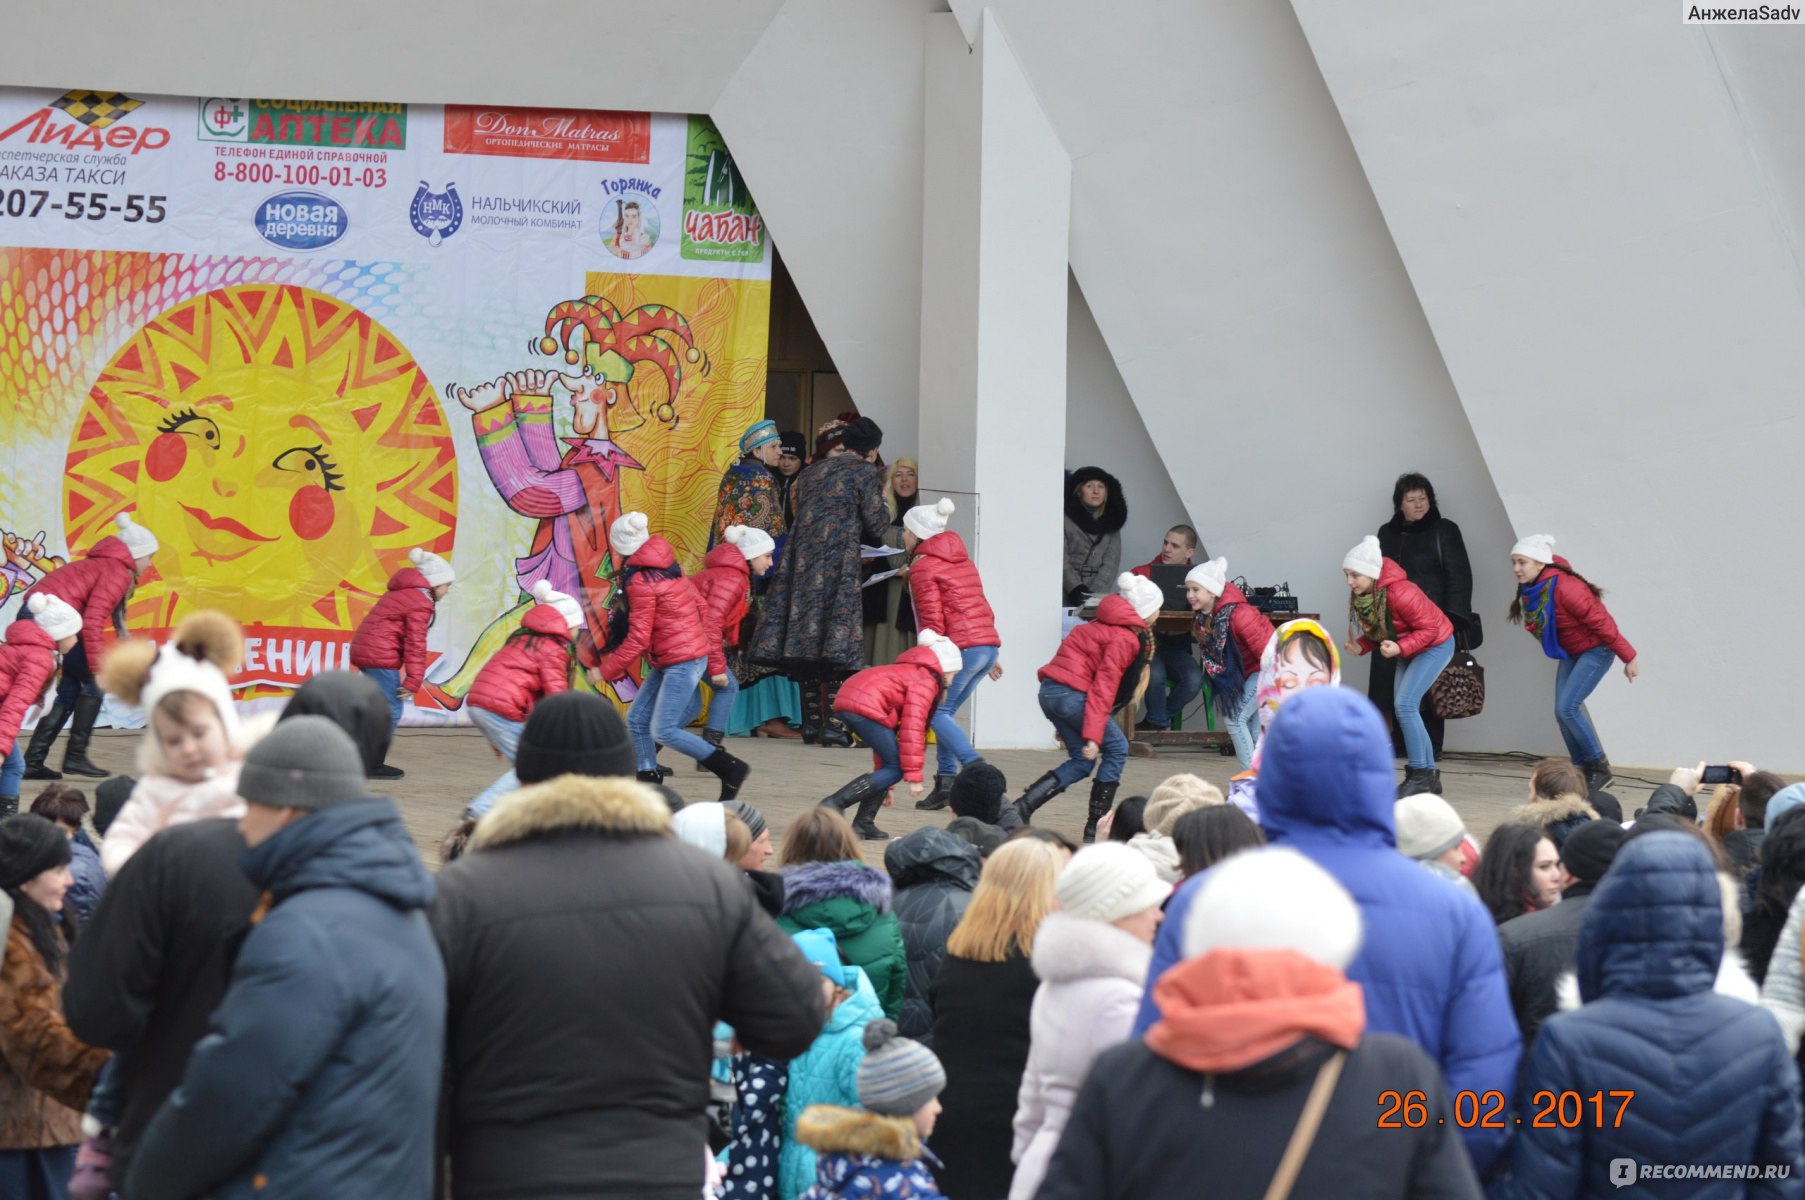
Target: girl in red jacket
{"points": [[891, 708], [725, 582], [665, 622], [1562, 609], [27, 661], [390, 643], [1232, 634], [949, 599], [532, 664], [97, 587], [1101, 666], [1399, 621]]}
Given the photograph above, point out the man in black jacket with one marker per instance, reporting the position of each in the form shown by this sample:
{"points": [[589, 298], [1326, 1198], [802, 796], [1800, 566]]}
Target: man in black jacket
{"points": [[1540, 947]]}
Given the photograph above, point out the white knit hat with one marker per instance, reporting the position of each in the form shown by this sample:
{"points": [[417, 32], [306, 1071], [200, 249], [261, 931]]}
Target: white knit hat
{"points": [[567, 606], [54, 616], [139, 540], [1428, 826], [749, 539], [173, 671], [1366, 558], [1273, 899], [1211, 576], [952, 659], [436, 569], [926, 520], [1142, 594], [1109, 881], [703, 826], [629, 532], [1536, 547]]}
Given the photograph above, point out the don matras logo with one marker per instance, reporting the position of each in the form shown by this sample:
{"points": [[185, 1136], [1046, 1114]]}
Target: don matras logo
{"points": [[301, 220]]}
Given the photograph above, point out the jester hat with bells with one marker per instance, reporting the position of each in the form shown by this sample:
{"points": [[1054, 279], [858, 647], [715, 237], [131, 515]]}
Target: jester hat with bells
{"points": [[610, 345]]}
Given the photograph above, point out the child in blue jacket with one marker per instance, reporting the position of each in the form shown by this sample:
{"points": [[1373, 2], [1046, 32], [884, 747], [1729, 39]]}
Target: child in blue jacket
{"points": [[877, 1150]]}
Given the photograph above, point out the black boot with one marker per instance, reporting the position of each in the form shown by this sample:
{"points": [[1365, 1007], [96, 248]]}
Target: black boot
{"points": [[811, 712], [1434, 780], [863, 824], [1038, 793], [652, 777], [833, 727], [384, 771], [940, 797], [9, 806], [42, 738], [713, 737], [1103, 796], [1598, 774], [852, 794], [75, 758], [1418, 779], [729, 770]]}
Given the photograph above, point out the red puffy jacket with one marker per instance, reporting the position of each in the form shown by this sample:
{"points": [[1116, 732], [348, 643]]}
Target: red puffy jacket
{"points": [[27, 661], [393, 636], [725, 582], [1581, 621], [1418, 622], [94, 586], [1094, 657], [528, 668], [1250, 628], [949, 596], [665, 617], [902, 697]]}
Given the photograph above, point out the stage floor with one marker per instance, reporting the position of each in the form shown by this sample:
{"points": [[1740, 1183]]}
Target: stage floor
{"points": [[445, 768]]}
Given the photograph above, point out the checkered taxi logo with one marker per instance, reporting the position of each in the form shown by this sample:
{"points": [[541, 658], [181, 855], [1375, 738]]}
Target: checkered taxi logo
{"points": [[96, 110]]}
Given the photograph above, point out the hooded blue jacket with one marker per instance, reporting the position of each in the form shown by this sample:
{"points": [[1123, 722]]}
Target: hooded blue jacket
{"points": [[1712, 1078], [1429, 961], [319, 1074]]}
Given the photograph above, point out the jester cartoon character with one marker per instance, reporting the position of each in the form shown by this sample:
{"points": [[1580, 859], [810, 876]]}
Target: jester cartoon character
{"points": [[574, 491], [25, 562]]}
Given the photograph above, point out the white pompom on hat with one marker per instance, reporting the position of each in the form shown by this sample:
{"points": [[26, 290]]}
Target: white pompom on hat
{"points": [[436, 569], [1211, 576], [1109, 881], [952, 659], [926, 520], [1274, 899], [54, 616], [567, 606], [1366, 558], [1142, 594], [1536, 547], [140, 541], [750, 540], [629, 532]]}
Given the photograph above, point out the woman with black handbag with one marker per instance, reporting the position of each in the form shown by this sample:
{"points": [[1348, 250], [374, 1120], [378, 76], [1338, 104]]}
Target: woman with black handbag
{"points": [[1429, 548]]}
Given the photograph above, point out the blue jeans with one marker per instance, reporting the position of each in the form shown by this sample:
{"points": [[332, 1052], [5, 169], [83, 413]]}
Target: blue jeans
{"points": [[1244, 722], [882, 740], [1413, 680], [952, 749], [12, 771], [1573, 682], [504, 735], [721, 711], [389, 680], [1178, 665], [656, 715], [1064, 707]]}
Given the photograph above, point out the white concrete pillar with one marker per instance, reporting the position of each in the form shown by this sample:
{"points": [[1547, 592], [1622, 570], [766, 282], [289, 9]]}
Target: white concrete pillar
{"points": [[995, 228]]}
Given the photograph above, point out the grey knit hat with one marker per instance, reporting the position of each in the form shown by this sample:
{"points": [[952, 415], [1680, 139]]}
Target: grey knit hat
{"points": [[305, 762], [897, 1076], [754, 820]]}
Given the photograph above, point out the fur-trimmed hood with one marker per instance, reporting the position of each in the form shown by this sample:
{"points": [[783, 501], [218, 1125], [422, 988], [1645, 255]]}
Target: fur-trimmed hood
{"points": [[830, 1129], [1068, 947], [574, 803], [810, 883], [1115, 509], [1545, 814]]}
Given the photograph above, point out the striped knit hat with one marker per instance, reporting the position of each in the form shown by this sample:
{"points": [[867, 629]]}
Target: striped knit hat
{"points": [[897, 1076]]}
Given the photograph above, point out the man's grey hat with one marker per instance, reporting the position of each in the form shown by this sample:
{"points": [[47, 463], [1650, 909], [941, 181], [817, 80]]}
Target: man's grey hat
{"points": [[305, 762]]}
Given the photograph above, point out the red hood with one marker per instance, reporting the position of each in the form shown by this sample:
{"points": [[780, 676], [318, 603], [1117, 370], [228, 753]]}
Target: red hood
{"points": [[408, 577], [920, 656], [1116, 611], [948, 547], [113, 548], [543, 618], [1390, 573], [655, 553], [728, 556], [27, 632], [1560, 562], [1231, 595]]}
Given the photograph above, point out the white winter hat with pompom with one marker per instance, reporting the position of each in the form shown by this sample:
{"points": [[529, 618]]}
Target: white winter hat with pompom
{"points": [[436, 569], [567, 606], [54, 616], [926, 520], [140, 541], [749, 540], [1142, 594], [628, 533], [1273, 899]]}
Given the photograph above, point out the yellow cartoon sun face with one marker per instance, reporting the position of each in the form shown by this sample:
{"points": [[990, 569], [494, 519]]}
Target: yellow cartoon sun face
{"points": [[285, 448]]}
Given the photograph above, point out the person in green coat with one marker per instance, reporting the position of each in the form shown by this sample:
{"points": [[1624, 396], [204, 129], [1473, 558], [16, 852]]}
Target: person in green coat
{"points": [[827, 886]]}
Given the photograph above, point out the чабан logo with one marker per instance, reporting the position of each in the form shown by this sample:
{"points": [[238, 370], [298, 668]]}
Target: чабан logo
{"points": [[301, 220], [436, 215]]}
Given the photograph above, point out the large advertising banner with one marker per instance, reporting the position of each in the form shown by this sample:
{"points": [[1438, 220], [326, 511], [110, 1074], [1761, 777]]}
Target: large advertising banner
{"points": [[296, 339]]}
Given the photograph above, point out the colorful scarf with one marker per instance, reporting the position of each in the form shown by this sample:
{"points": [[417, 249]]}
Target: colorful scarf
{"points": [[1537, 601], [1373, 613], [1222, 658]]}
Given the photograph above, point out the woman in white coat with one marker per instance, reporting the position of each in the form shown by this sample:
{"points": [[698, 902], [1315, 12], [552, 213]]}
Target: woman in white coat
{"points": [[1091, 957]]}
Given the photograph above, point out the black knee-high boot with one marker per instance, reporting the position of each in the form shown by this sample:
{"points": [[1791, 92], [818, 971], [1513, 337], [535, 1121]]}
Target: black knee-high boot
{"points": [[1103, 795], [1037, 795], [833, 726], [811, 711], [42, 738], [75, 758]]}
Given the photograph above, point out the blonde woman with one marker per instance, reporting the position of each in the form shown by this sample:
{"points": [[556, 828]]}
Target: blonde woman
{"points": [[889, 610], [981, 1001]]}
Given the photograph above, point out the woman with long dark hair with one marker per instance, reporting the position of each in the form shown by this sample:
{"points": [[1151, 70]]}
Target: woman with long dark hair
{"points": [[1433, 555], [1565, 611], [1519, 872]]}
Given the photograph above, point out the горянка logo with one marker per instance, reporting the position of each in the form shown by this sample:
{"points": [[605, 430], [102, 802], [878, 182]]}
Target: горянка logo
{"points": [[436, 215]]}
